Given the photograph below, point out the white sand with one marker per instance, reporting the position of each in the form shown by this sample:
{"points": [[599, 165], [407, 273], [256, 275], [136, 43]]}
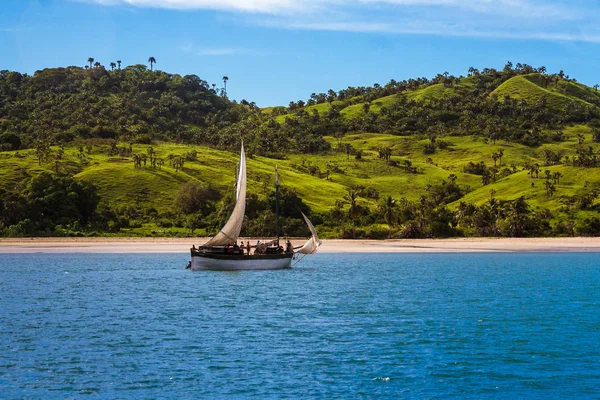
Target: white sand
{"points": [[159, 245]]}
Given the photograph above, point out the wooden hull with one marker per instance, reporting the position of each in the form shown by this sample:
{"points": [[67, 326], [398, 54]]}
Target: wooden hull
{"points": [[216, 262]]}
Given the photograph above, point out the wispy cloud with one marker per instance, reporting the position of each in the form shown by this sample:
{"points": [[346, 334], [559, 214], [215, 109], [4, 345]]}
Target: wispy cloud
{"points": [[256, 6], [550, 20]]}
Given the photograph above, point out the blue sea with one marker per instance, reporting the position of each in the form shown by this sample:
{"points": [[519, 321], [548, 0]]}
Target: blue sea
{"points": [[395, 326]]}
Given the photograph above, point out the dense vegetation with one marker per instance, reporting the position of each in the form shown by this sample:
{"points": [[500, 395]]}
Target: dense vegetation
{"points": [[507, 152]]}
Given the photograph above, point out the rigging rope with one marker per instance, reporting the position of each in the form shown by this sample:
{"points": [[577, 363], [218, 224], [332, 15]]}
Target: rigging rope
{"points": [[303, 255]]}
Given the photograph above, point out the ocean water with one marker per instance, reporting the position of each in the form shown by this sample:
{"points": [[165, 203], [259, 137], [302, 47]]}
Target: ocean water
{"points": [[409, 326]]}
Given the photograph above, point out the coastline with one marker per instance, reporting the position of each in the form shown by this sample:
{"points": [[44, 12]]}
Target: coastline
{"points": [[182, 245]]}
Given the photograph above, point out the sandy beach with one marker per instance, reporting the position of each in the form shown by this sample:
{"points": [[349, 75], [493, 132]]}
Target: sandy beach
{"points": [[182, 245]]}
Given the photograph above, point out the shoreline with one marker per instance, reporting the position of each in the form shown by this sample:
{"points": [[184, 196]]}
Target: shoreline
{"points": [[182, 245]]}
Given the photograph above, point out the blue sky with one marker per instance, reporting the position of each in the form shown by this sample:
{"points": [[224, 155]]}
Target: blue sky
{"points": [[276, 51]]}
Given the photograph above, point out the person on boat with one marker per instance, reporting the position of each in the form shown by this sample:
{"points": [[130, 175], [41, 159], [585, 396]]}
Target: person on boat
{"points": [[248, 247], [242, 247], [236, 248], [227, 249], [288, 247]]}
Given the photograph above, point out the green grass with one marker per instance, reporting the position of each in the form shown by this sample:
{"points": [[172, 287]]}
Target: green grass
{"points": [[531, 89], [120, 184], [386, 101]]}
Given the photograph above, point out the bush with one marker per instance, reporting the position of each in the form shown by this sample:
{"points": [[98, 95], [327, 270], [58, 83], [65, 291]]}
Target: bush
{"points": [[10, 141], [475, 169], [143, 139]]}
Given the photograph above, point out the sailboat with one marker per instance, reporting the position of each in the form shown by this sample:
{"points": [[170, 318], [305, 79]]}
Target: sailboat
{"points": [[222, 252]]}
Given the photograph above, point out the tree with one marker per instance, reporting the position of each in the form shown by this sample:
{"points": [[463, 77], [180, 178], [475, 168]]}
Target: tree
{"points": [[225, 79], [9, 141], [193, 198], [112, 66], [495, 157], [192, 222], [550, 188], [42, 149], [97, 64], [119, 63], [389, 213], [354, 210], [348, 149], [556, 177], [152, 61], [91, 61]]}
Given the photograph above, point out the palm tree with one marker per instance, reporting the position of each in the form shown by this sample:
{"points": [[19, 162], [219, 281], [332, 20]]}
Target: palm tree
{"points": [[225, 79], [91, 61], [389, 213], [152, 61], [112, 66], [580, 140], [119, 63], [495, 157], [353, 212], [97, 64], [556, 177]]}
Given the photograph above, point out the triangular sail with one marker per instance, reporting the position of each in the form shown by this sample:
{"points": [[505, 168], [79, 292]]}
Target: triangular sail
{"points": [[311, 244], [231, 231]]}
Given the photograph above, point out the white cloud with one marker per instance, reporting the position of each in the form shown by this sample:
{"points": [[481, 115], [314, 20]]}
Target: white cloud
{"points": [[519, 8], [552, 20], [256, 6], [513, 8], [440, 28]]}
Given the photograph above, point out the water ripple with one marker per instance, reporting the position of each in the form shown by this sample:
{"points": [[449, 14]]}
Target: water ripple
{"points": [[337, 326]]}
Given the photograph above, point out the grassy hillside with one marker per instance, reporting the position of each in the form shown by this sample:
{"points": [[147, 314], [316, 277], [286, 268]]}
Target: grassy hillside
{"points": [[417, 158], [321, 180], [531, 89], [558, 92]]}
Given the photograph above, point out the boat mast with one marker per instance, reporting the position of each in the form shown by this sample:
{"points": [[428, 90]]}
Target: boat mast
{"points": [[276, 202]]}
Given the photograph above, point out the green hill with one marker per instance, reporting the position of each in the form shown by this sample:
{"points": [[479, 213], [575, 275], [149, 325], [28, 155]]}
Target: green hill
{"points": [[531, 89], [136, 152], [323, 180], [558, 93], [64, 104]]}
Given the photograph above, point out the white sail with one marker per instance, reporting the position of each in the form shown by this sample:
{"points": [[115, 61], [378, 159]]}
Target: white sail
{"points": [[311, 244], [231, 231]]}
